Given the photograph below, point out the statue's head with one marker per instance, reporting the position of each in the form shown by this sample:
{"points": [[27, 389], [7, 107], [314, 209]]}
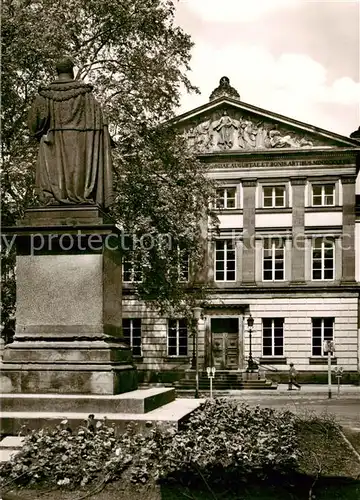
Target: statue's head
{"points": [[65, 65]]}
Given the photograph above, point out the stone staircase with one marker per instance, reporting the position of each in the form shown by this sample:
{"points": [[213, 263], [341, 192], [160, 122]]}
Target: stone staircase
{"points": [[223, 381]]}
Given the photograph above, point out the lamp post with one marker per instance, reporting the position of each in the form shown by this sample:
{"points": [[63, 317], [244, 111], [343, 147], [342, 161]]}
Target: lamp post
{"points": [[197, 314], [193, 359], [251, 363]]}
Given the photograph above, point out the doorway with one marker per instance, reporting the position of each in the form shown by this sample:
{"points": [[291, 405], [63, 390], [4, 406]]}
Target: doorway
{"points": [[225, 343]]}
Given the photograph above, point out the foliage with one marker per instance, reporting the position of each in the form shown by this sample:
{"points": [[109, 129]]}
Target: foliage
{"points": [[61, 456], [137, 59], [222, 442], [226, 441]]}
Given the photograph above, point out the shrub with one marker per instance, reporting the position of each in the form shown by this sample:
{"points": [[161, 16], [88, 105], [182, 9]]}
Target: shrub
{"points": [[223, 441], [61, 456]]}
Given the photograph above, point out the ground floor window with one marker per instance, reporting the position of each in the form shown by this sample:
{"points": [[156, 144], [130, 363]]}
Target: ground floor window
{"points": [[322, 329], [177, 344], [273, 336], [132, 333]]}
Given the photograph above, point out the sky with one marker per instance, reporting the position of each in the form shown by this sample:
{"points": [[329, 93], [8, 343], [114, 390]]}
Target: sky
{"points": [[299, 58]]}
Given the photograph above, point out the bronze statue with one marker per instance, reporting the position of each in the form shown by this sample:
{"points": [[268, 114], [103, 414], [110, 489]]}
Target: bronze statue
{"points": [[74, 163]]}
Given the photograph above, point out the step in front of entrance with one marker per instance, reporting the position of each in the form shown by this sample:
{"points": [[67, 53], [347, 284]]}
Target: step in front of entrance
{"points": [[225, 385], [219, 375]]}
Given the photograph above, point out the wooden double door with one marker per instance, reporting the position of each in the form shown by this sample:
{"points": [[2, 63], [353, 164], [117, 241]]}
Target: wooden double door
{"points": [[225, 343]]}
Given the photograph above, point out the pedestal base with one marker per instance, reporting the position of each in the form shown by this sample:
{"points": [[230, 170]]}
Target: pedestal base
{"points": [[68, 337], [78, 367]]}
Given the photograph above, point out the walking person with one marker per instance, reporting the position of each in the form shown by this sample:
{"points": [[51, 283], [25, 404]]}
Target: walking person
{"points": [[292, 378]]}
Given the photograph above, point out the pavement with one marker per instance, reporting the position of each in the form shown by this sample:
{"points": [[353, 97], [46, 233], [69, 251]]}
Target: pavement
{"points": [[310, 390]]}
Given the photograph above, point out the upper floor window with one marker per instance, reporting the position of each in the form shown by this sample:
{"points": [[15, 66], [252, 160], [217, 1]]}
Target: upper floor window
{"points": [[225, 260], [323, 261], [273, 196], [177, 344], [323, 195], [273, 336], [131, 270], [132, 333], [322, 329], [225, 197], [273, 260]]}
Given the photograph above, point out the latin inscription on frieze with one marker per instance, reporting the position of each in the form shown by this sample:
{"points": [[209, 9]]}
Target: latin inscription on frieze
{"points": [[284, 163]]}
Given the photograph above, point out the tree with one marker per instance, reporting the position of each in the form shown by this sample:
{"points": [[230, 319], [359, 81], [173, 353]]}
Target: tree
{"points": [[136, 58]]}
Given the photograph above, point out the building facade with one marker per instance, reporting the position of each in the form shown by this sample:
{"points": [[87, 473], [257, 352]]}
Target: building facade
{"points": [[287, 251]]}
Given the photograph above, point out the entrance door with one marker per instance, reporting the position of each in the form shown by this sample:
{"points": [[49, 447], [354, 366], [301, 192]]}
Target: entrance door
{"points": [[224, 343]]}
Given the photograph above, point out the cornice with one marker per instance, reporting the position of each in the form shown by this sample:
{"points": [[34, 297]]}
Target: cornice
{"points": [[298, 181], [348, 179], [296, 288], [249, 182]]}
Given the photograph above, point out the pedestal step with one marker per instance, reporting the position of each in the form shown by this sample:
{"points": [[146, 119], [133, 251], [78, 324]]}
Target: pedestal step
{"points": [[9, 446], [169, 415], [138, 402]]}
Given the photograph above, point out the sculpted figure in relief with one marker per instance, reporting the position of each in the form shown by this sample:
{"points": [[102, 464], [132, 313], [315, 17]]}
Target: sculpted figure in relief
{"points": [[203, 136], [191, 136], [247, 135], [225, 128]]}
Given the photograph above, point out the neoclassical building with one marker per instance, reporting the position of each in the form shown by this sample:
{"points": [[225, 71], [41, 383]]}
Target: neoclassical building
{"points": [[288, 250]]}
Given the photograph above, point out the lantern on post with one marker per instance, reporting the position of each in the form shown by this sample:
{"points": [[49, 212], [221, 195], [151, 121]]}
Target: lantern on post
{"points": [[329, 348], [251, 363]]}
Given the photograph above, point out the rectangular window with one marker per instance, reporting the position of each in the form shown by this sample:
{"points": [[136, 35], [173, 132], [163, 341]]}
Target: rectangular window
{"points": [[323, 195], [225, 260], [177, 337], [131, 271], [273, 260], [322, 329], [323, 261], [273, 196], [225, 198], [273, 336], [132, 334]]}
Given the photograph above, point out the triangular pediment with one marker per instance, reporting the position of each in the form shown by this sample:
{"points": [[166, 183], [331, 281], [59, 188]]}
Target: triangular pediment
{"points": [[225, 125]]}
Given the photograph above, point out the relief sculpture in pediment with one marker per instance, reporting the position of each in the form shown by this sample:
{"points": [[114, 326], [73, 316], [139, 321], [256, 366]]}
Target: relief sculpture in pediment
{"points": [[225, 128], [235, 131]]}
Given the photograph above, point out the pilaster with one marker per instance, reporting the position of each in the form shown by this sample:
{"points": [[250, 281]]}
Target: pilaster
{"points": [[348, 229], [298, 230], [248, 255]]}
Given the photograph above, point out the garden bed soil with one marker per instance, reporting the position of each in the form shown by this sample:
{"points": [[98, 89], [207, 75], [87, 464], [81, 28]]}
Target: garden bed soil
{"points": [[327, 489]]}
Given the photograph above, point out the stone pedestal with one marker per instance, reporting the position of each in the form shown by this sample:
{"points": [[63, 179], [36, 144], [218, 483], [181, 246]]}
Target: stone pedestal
{"points": [[68, 316]]}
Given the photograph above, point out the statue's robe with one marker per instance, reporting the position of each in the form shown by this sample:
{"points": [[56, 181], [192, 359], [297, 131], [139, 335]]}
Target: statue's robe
{"points": [[74, 163]]}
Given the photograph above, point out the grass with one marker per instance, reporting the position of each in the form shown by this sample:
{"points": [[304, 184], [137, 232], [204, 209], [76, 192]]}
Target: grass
{"points": [[354, 437]]}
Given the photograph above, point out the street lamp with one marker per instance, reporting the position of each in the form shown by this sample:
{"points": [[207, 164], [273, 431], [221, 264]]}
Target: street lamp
{"points": [[251, 363], [197, 315]]}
